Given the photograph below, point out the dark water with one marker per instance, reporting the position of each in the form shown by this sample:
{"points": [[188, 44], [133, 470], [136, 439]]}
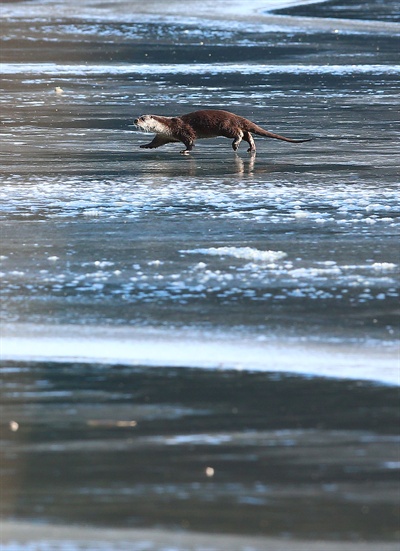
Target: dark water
{"points": [[131, 447], [376, 10], [300, 243]]}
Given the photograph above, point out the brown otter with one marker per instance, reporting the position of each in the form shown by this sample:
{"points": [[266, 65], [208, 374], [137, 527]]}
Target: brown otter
{"points": [[208, 123]]}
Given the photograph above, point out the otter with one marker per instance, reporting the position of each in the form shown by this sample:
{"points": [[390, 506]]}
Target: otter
{"points": [[207, 123]]}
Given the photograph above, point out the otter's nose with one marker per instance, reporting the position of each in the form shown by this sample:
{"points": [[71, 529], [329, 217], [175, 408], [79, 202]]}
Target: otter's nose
{"points": [[136, 121]]}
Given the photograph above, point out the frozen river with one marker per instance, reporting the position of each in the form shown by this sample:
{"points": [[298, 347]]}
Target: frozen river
{"points": [[224, 280]]}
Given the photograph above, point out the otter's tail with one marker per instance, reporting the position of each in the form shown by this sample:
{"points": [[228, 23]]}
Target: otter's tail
{"points": [[261, 132]]}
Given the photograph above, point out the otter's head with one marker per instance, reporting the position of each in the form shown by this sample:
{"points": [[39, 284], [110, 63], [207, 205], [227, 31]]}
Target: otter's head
{"points": [[152, 123]]}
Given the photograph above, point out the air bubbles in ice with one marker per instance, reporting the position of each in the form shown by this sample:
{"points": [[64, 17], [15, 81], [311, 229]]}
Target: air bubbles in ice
{"points": [[247, 253]]}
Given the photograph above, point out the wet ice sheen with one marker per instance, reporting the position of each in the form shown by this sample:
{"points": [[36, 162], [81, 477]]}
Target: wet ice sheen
{"points": [[65, 70], [212, 265]]}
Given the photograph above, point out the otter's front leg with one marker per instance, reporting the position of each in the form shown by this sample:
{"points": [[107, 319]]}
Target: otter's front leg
{"points": [[158, 141], [189, 146]]}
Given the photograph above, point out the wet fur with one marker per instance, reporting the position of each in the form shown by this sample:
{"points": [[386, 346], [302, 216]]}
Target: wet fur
{"points": [[208, 123]]}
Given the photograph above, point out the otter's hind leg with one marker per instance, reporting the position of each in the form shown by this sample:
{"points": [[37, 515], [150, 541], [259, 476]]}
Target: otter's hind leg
{"points": [[249, 139], [237, 140], [158, 141]]}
